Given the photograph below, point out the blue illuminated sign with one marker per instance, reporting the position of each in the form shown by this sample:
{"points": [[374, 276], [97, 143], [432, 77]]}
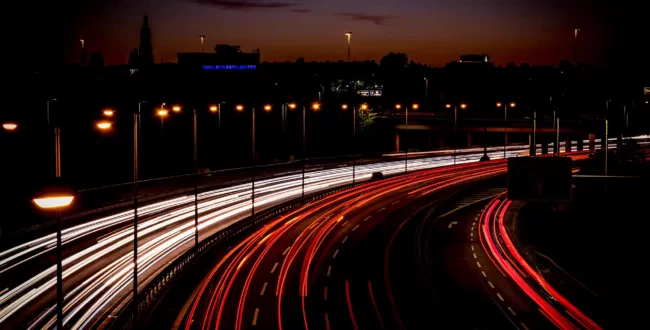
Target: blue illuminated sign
{"points": [[230, 67]]}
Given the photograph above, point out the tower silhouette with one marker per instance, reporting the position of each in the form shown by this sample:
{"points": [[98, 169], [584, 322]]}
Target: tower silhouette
{"points": [[145, 49]]}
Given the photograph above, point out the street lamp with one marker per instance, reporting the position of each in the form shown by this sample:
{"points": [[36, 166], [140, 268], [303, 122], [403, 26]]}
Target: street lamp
{"points": [[505, 122], [462, 106], [239, 107], [9, 126], [104, 125], [364, 107], [315, 106], [108, 113], [57, 197], [349, 35], [176, 108], [344, 106], [414, 106], [267, 108]]}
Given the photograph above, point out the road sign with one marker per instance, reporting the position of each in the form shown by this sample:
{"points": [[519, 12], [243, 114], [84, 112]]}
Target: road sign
{"points": [[539, 178]]}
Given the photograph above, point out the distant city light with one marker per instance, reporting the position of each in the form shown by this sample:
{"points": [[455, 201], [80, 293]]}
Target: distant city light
{"points": [[13, 126], [230, 67], [364, 107], [109, 113]]}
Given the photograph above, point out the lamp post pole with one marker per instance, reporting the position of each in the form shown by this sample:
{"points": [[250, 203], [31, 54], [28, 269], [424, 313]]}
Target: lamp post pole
{"points": [[253, 165], [535, 133], [606, 143], [505, 128], [59, 256], [455, 135], [354, 143], [196, 178], [303, 149], [406, 149], [136, 137]]}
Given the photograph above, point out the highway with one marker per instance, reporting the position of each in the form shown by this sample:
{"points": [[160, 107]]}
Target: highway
{"points": [[98, 253], [334, 263]]}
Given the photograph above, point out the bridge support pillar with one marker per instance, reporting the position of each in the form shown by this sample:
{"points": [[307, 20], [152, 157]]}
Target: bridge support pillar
{"points": [[397, 142], [592, 142], [442, 142], [544, 148], [580, 144], [532, 151], [469, 139]]}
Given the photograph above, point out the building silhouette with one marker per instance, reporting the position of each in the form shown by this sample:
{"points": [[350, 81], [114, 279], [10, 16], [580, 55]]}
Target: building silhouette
{"points": [[145, 53]]}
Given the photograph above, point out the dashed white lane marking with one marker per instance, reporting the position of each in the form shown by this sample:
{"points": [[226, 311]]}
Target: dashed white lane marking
{"points": [[257, 311], [335, 253], [484, 274], [512, 311], [478, 264], [345, 239], [471, 234], [395, 202], [329, 270], [523, 326], [344, 223], [264, 288], [344, 207], [472, 247], [355, 227], [491, 285], [366, 219], [285, 251], [325, 294], [274, 267], [381, 209], [327, 322], [500, 298], [411, 196], [474, 255]]}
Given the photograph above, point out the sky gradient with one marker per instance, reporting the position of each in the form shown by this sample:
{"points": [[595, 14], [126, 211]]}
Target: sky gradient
{"points": [[431, 32]]}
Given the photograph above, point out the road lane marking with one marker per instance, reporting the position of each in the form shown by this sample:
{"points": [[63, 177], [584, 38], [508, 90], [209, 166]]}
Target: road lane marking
{"points": [[472, 247], [335, 253], [355, 228], [512, 312], [395, 202], [500, 298], [274, 267], [325, 294], [327, 322], [329, 270], [471, 234], [524, 326], [285, 251], [381, 209], [478, 264], [257, 311], [451, 224], [345, 239], [484, 274], [366, 219], [474, 255], [264, 288], [491, 285], [345, 223]]}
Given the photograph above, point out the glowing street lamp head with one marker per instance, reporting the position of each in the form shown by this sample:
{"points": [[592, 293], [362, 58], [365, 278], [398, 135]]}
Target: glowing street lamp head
{"points": [[364, 107], [463, 106], [53, 202], [267, 107], [104, 125], [448, 106], [315, 106], [9, 126], [108, 112], [398, 106], [512, 104], [292, 106], [214, 108], [239, 107], [162, 113], [176, 108], [415, 106], [344, 106], [499, 104]]}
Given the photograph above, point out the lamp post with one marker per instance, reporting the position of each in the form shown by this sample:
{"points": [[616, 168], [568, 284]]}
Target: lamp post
{"points": [[349, 35], [202, 37], [463, 106], [57, 198], [426, 89], [505, 123], [354, 139], [414, 106]]}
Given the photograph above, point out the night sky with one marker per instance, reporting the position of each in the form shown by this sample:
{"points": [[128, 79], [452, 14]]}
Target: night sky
{"points": [[431, 32]]}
